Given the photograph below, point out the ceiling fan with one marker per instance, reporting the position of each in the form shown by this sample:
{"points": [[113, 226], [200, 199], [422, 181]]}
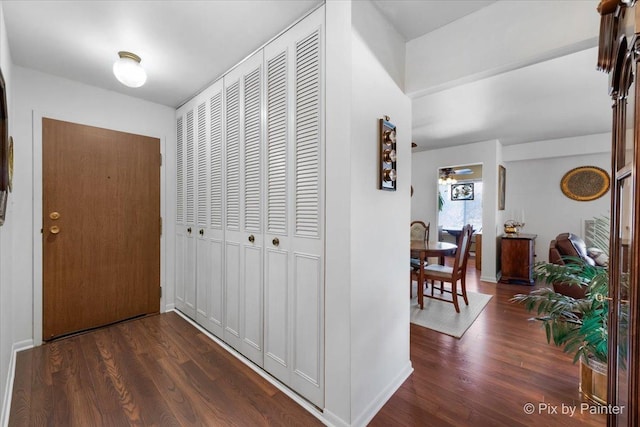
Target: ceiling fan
{"points": [[452, 171], [447, 174]]}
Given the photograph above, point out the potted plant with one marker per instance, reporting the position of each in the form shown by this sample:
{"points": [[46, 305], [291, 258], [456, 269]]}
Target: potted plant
{"points": [[579, 326]]}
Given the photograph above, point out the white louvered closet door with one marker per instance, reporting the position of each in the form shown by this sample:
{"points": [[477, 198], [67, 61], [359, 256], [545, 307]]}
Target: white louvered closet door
{"points": [[294, 220], [185, 211], [209, 204], [243, 214]]}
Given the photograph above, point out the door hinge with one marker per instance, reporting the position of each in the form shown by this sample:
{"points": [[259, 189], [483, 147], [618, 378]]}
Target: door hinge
{"points": [[161, 226], [160, 159], [160, 291]]}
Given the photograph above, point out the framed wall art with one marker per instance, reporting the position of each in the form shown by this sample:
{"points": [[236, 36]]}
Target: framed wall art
{"points": [[585, 183], [502, 179], [6, 155], [462, 191], [387, 156]]}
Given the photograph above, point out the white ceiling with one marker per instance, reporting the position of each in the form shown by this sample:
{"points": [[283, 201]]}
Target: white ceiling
{"points": [[559, 98], [414, 18], [185, 45]]}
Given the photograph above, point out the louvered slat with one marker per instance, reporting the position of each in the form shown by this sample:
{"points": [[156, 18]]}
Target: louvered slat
{"points": [[233, 156], [180, 171], [252, 136], [216, 160], [190, 170], [277, 144], [201, 198], [307, 105]]}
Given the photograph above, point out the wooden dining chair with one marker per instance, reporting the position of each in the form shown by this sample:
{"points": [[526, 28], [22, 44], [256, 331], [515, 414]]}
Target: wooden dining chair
{"points": [[419, 231], [454, 274]]}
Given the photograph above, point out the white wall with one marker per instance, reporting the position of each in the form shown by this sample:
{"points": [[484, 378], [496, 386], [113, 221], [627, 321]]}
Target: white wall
{"points": [[40, 95], [500, 37], [6, 238], [337, 382], [379, 222], [533, 185], [384, 42], [367, 306], [424, 203]]}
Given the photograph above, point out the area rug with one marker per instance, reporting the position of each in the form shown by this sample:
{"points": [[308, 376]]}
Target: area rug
{"points": [[441, 316]]}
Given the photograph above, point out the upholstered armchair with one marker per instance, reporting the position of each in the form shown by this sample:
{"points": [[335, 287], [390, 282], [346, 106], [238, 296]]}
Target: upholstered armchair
{"points": [[569, 245]]}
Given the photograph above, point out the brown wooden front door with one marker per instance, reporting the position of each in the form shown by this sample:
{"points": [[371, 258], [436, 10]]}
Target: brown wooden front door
{"points": [[101, 226]]}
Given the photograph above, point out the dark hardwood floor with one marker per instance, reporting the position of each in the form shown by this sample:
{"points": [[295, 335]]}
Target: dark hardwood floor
{"points": [[155, 371], [160, 370], [487, 377]]}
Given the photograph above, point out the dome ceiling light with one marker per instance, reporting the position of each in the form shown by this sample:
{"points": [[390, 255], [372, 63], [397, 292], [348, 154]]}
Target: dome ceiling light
{"points": [[128, 70]]}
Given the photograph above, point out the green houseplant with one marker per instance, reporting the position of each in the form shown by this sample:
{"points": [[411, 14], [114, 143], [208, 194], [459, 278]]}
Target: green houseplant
{"points": [[578, 326]]}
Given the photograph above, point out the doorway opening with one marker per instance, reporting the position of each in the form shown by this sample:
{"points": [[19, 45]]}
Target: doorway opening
{"points": [[459, 203]]}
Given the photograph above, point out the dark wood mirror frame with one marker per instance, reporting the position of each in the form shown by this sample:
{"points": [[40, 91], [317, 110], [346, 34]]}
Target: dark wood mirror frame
{"points": [[4, 150]]}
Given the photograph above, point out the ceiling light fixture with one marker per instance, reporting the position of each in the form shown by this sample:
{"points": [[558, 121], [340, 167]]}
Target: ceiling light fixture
{"points": [[128, 70], [446, 177]]}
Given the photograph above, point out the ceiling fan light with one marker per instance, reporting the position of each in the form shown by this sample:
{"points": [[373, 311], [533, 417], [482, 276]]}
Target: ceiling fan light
{"points": [[128, 70]]}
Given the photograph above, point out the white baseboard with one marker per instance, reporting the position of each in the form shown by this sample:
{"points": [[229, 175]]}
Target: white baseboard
{"points": [[8, 390], [334, 420], [490, 279], [283, 388], [370, 411]]}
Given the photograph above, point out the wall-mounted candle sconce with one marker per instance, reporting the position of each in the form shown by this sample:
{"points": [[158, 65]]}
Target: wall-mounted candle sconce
{"points": [[387, 173]]}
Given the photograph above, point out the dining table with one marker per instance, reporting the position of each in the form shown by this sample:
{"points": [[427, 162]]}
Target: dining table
{"points": [[427, 249]]}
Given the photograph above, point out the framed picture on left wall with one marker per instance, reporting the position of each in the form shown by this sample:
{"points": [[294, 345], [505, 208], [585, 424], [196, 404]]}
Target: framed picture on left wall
{"points": [[5, 156]]}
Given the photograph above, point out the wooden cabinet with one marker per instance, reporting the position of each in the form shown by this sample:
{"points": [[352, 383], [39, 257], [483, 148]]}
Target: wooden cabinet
{"points": [[517, 256]]}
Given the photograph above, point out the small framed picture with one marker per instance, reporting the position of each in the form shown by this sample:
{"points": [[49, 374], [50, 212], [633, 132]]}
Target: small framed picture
{"points": [[462, 191], [502, 178]]}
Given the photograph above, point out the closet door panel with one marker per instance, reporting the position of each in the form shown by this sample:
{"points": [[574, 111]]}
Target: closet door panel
{"points": [[278, 280], [190, 276], [232, 295], [185, 293], [276, 307], [307, 325], [180, 223], [202, 210], [243, 129], [210, 235], [307, 243], [294, 325], [252, 194], [215, 232], [216, 286], [232, 212], [181, 248], [251, 307], [190, 214]]}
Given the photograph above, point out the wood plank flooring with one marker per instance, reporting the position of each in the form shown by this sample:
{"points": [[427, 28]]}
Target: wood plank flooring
{"points": [[160, 370], [485, 378]]}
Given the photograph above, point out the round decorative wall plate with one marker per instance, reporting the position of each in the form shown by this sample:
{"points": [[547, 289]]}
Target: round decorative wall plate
{"points": [[585, 183]]}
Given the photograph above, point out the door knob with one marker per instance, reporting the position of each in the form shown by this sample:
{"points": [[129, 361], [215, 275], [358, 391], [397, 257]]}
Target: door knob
{"points": [[54, 229], [201, 232], [252, 239], [189, 230], [275, 241], [54, 215]]}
